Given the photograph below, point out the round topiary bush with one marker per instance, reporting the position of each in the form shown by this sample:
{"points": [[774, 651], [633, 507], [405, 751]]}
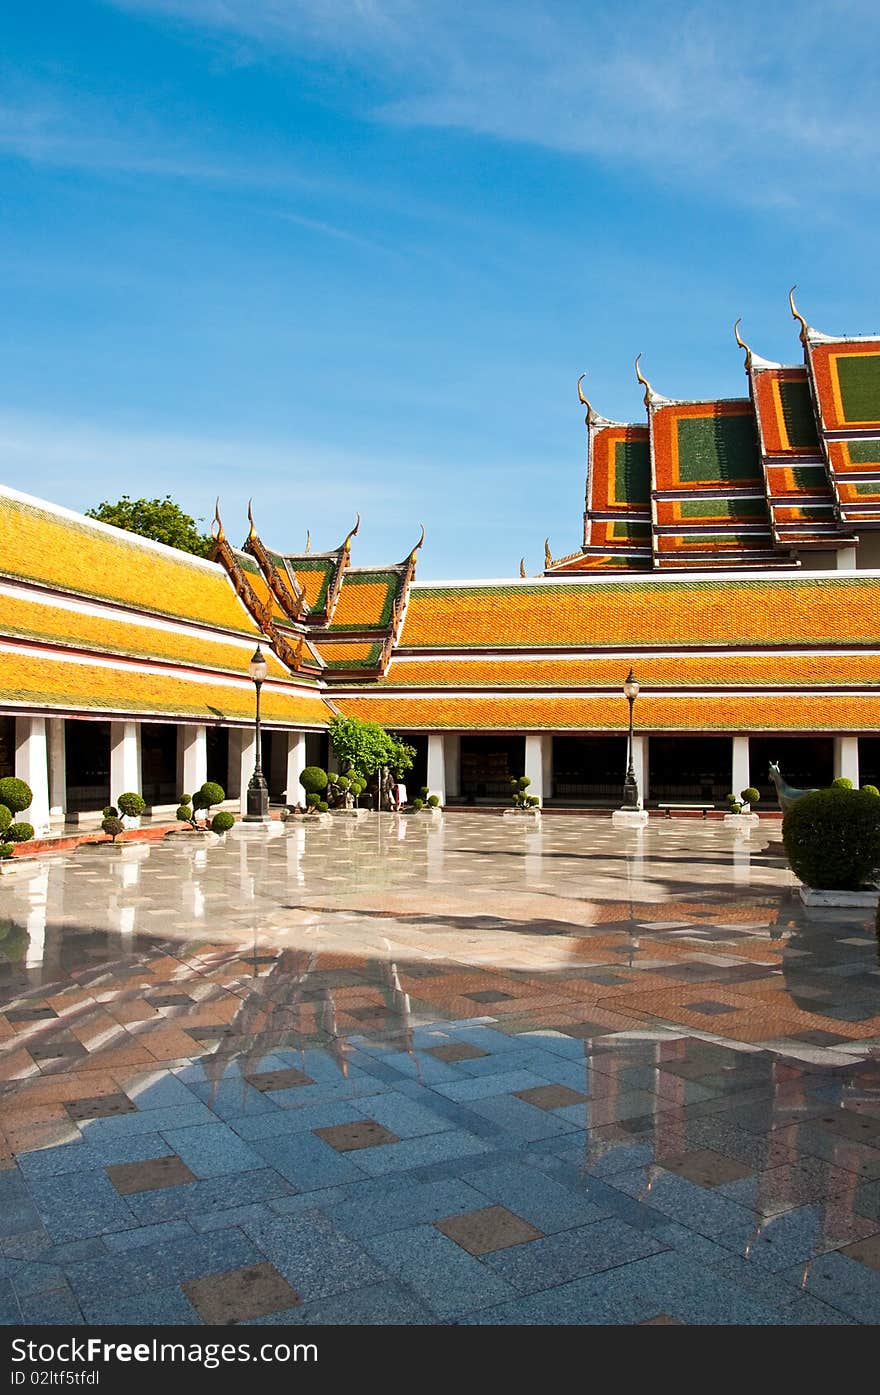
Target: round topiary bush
{"points": [[842, 783], [314, 780], [832, 838], [15, 794], [6, 850], [323, 806], [110, 812], [210, 793], [866, 789], [222, 822], [19, 832], [131, 805], [184, 813], [523, 782], [114, 827], [5, 818], [750, 795], [418, 804], [184, 799], [433, 801]]}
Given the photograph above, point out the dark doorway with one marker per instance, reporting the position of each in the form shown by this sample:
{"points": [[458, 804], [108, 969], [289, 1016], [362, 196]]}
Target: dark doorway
{"points": [[589, 769], [416, 778], [317, 749], [7, 746], [487, 766], [869, 761], [693, 769], [806, 762], [87, 760], [159, 762], [217, 744]]}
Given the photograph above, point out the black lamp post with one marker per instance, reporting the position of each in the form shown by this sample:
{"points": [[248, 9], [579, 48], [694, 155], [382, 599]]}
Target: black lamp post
{"points": [[258, 790], [630, 784]]}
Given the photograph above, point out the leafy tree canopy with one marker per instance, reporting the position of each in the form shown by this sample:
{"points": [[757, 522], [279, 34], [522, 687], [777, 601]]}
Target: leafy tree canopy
{"points": [[159, 519], [365, 747]]}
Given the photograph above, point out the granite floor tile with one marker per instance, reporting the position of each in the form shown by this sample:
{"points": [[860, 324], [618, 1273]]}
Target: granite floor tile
{"points": [[448, 1280], [240, 1294], [149, 1176], [572, 1254], [210, 1150]]}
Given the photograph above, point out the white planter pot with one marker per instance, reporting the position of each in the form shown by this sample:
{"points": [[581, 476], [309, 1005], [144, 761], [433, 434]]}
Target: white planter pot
{"points": [[744, 822], [629, 818], [532, 814], [861, 900]]}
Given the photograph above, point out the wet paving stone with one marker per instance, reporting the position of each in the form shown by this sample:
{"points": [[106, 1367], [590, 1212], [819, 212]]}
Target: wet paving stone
{"points": [[487, 1102]]}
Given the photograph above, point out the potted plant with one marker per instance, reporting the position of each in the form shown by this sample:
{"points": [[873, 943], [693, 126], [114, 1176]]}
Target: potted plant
{"points": [[832, 842], [739, 813], [524, 804]]}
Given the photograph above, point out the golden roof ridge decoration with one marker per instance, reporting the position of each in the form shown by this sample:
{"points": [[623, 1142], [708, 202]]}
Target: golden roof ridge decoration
{"points": [[753, 360]]}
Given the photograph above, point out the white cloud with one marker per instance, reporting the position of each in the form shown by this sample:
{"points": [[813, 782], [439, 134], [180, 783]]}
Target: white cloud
{"points": [[771, 103]]}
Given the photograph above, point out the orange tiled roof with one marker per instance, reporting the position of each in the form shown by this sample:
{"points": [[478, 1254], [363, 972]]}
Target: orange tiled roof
{"points": [[817, 608], [34, 679], [29, 617], [785, 712], [74, 554], [367, 598], [734, 670], [846, 374]]}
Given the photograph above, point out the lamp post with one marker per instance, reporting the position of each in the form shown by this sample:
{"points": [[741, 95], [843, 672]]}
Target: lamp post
{"points": [[630, 784], [258, 790]]}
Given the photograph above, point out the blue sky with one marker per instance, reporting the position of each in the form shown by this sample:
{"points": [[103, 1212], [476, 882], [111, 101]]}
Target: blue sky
{"points": [[353, 254]]}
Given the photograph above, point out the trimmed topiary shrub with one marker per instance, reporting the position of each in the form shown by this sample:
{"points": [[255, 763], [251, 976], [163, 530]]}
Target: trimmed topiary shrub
{"points": [[870, 789], [131, 805], [210, 793], [314, 780], [418, 804], [110, 812], [842, 783], [832, 838], [6, 850], [184, 813], [323, 806], [750, 795], [15, 794], [222, 822], [518, 788], [433, 801], [184, 799], [19, 833], [5, 818], [114, 827]]}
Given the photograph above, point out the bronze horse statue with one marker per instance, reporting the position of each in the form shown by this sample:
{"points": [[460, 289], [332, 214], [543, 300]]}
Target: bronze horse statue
{"points": [[786, 794]]}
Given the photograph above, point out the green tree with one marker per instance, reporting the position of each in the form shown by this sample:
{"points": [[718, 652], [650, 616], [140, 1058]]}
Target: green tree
{"points": [[159, 519], [365, 747]]}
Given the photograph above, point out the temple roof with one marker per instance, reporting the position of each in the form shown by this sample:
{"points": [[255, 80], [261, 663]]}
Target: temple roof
{"points": [[67, 552], [780, 712], [633, 613]]}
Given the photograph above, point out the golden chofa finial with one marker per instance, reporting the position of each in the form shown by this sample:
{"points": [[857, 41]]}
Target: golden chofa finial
{"points": [[412, 555], [796, 314], [347, 543], [548, 556], [308, 541], [217, 526], [522, 567], [742, 344], [644, 381], [252, 532], [583, 400]]}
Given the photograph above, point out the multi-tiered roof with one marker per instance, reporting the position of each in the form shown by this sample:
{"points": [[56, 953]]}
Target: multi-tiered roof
{"points": [[738, 482]]}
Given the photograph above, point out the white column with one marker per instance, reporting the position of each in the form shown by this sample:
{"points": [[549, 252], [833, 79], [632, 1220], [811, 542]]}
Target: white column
{"points": [[640, 766], [437, 766], [740, 777], [452, 756], [192, 757], [57, 768], [537, 761], [846, 758], [125, 759], [246, 765], [547, 764], [32, 766], [296, 764], [846, 559]]}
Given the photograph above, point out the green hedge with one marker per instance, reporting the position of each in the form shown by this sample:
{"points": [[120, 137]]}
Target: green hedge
{"points": [[832, 838], [15, 794]]}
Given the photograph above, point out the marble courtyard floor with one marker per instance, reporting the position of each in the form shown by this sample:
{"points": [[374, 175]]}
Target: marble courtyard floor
{"points": [[463, 1071]]}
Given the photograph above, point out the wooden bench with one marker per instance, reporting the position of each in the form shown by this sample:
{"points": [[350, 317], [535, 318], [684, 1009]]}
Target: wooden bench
{"points": [[703, 808]]}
